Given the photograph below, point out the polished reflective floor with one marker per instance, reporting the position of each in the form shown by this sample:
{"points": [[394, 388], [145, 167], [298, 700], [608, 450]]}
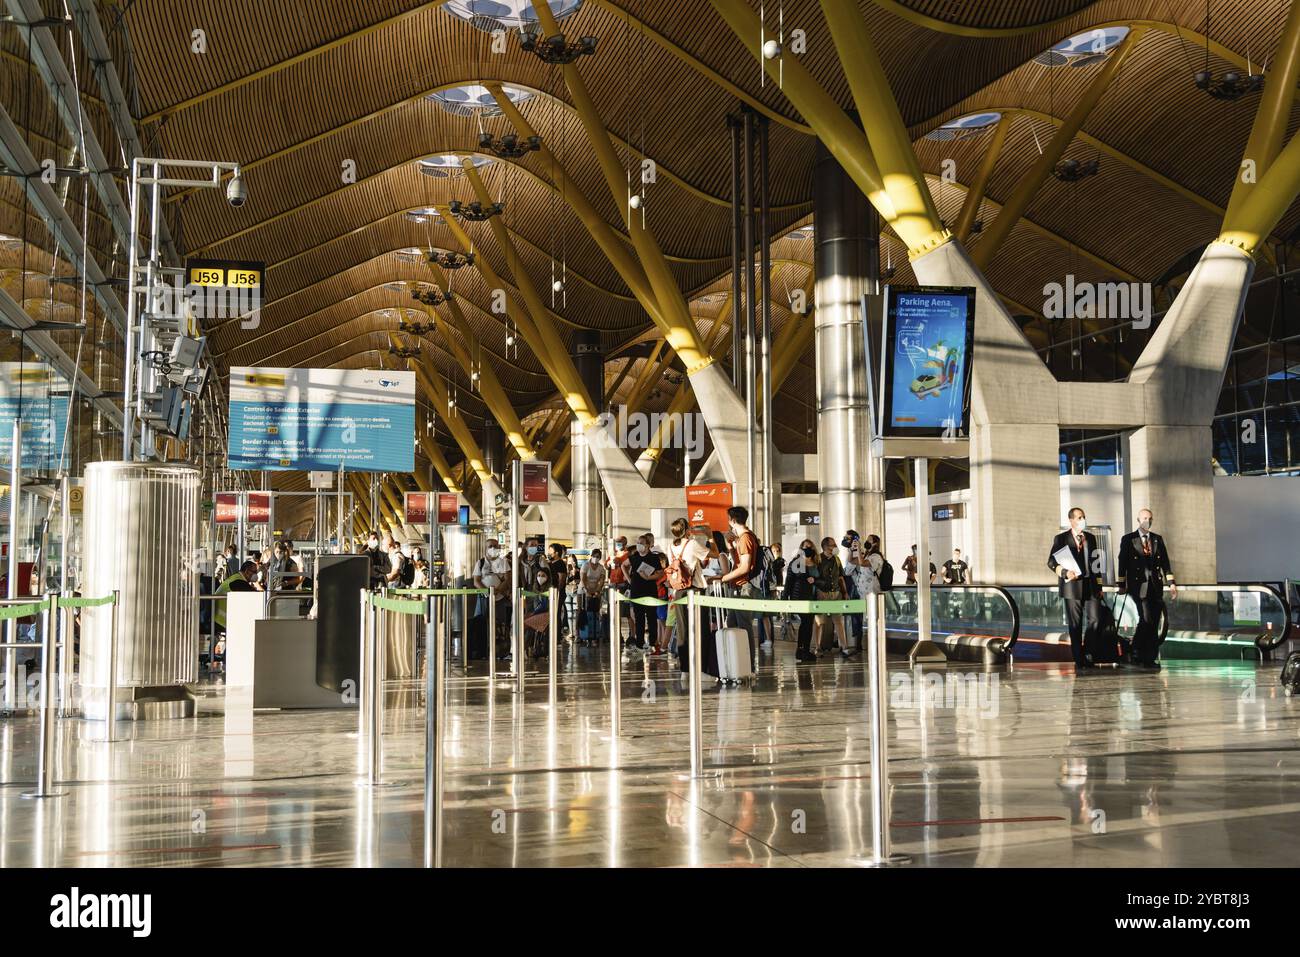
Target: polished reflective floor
{"points": [[1196, 765]]}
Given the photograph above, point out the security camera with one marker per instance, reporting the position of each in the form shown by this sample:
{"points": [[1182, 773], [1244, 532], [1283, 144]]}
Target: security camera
{"points": [[236, 192]]}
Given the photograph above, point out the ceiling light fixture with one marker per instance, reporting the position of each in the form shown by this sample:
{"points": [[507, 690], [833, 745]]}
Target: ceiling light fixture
{"points": [[448, 260], [431, 297], [475, 212], [403, 352], [1073, 170], [509, 146], [1231, 86], [415, 328], [555, 49]]}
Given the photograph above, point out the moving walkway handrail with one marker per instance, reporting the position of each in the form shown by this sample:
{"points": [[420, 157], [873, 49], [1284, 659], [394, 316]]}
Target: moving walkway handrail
{"points": [[996, 643]]}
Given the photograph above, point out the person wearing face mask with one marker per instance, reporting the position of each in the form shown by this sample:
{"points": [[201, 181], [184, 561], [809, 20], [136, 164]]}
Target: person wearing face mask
{"points": [[830, 587], [537, 620], [801, 585], [1075, 561], [378, 560], [618, 578], [643, 570], [529, 564], [492, 571], [687, 555], [591, 588], [1144, 570]]}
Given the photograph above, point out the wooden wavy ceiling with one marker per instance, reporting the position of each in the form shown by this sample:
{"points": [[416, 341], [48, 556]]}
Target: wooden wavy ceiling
{"points": [[292, 91]]}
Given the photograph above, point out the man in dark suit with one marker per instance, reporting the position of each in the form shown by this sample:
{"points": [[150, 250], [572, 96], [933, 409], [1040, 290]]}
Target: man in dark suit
{"points": [[1082, 589], [1143, 573]]}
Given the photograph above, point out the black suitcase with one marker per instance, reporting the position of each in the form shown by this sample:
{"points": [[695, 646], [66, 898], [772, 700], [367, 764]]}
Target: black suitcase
{"points": [[1291, 673], [1102, 644]]}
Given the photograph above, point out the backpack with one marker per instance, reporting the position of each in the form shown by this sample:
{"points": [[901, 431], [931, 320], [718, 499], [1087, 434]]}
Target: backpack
{"points": [[886, 575], [764, 562], [408, 572], [678, 577]]}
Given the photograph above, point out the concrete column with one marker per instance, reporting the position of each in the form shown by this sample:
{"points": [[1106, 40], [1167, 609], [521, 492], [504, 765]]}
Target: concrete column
{"points": [[1169, 471], [585, 488], [846, 261]]}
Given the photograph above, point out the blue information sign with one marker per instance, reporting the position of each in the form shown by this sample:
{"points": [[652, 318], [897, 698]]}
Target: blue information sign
{"points": [[317, 419], [44, 414]]}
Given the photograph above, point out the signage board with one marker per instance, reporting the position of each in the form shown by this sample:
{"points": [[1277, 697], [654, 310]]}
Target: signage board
{"points": [[417, 508], [448, 505], [317, 419], [708, 504], [223, 289], [946, 513], [226, 508], [259, 508], [462, 517], [35, 393], [322, 479], [927, 338], [535, 483]]}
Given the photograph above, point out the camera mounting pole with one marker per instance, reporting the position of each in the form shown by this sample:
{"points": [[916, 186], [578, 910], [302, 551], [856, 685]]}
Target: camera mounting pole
{"points": [[139, 379]]}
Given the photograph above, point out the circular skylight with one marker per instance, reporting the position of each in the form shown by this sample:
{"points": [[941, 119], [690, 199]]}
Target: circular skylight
{"points": [[474, 98], [492, 15], [1083, 49], [444, 164], [424, 214], [964, 126]]}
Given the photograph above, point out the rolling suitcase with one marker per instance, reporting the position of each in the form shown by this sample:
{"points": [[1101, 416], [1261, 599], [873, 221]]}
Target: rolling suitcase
{"points": [[1291, 674], [1101, 644], [734, 662]]}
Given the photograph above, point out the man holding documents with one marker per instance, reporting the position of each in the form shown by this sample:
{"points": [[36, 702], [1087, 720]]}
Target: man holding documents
{"points": [[1076, 562]]}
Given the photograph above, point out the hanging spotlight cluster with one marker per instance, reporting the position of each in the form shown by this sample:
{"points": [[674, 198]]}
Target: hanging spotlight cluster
{"points": [[403, 352], [1073, 170], [1231, 86], [432, 297], [509, 146], [448, 260], [475, 212], [415, 328], [555, 49]]}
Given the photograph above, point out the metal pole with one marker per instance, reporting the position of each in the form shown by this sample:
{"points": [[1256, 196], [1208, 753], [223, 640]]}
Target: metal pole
{"points": [[15, 495], [737, 357], [924, 649], [363, 664], [552, 630], [65, 617], [379, 638], [433, 725], [45, 745], [128, 375], [144, 374], [492, 641], [615, 669], [697, 713], [464, 635], [771, 531], [750, 312], [516, 598], [110, 691], [878, 704]]}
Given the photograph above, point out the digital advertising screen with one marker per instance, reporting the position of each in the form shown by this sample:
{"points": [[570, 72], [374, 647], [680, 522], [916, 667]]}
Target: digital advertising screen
{"points": [[928, 335]]}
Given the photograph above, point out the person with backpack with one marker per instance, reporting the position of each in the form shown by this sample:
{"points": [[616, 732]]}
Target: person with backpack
{"points": [[687, 556]]}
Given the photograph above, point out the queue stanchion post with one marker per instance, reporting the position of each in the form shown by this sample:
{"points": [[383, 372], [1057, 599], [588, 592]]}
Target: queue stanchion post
{"points": [[45, 745], [363, 682], [552, 641], [380, 639], [517, 633], [697, 708], [464, 634], [110, 691], [882, 855], [615, 669], [490, 600], [434, 714]]}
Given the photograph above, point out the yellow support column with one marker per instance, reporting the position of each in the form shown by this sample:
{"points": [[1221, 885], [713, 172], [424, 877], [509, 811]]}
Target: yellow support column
{"points": [[435, 456], [975, 195], [1016, 204], [545, 341], [840, 134], [915, 213], [1267, 202], [1271, 116]]}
